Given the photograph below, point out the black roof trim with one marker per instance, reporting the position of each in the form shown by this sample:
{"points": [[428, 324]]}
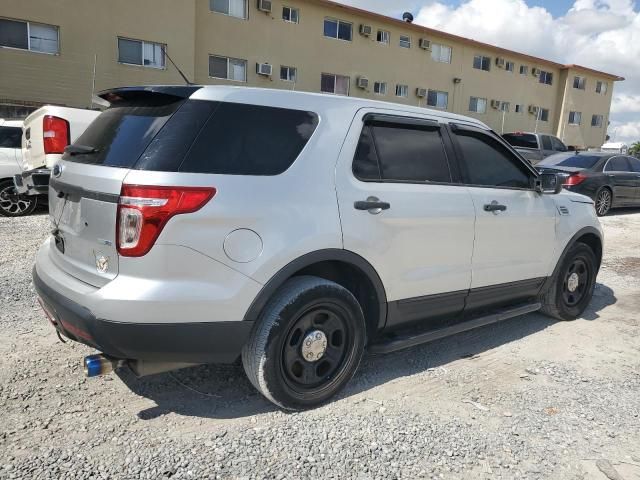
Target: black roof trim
{"points": [[179, 91]]}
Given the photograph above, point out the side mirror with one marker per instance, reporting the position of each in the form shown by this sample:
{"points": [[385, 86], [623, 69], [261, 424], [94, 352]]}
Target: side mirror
{"points": [[549, 183]]}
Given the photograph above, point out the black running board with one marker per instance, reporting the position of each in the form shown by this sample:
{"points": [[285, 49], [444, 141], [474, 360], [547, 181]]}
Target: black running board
{"points": [[406, 341]]}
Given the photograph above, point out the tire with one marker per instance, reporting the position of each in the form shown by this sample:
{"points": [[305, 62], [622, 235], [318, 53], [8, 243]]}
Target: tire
{"points": [[560, 301], [603, 201], [12, 205], [279, 356]]}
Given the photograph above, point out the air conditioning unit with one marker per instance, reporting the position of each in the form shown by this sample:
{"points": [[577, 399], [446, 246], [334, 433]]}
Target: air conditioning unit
{"points": [[424, 44], [533, 110], [264, 69], [500, 62], [366, 30], [363, 82], [495, 104], [421, 92], [535, 72], [264, 6]]}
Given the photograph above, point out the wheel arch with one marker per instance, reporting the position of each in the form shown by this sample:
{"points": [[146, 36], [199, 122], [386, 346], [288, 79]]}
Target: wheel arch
{"points": [[341, 266]]}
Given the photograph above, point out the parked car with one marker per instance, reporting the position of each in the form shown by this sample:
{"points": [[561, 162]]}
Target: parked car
{"points": [[294, 230], [12, 204], [610, 179], [535, 146], [47, 131]]}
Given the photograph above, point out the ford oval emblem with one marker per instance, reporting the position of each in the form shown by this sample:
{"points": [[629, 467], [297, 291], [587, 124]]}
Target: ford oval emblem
{"points": [[57, 170]]}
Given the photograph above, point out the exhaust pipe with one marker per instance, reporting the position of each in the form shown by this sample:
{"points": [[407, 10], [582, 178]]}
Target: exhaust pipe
{"points": [[99, 364]]}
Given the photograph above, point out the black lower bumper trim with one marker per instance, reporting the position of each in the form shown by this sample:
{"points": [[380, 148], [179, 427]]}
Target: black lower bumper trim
{"points": [[210, 342]]}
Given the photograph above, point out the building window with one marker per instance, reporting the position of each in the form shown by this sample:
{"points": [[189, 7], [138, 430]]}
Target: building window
{"points": [[290, 15], [36, 37], [440, 53], [543, 114], [579, 83], [575, 118], [233, 8], [380, 88], [383, 37], [597, 121], [519, 108], [482, 63], [510, 66], [478, 105], [505, 107], [402, 90], [288, 74], [405, 41], [338, 29], [546, 77], [137, 52], [601, 87], [437, 99], [338, 84], [228, 68], [524, 70]]}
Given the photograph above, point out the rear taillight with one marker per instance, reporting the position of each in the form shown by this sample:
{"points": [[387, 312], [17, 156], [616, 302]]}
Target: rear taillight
{"points": [[143, 211], [575, 179], [55, 134]]}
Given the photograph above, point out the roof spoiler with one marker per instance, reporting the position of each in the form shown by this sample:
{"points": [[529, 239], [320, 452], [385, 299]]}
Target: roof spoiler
{"points": [[166, 92]]}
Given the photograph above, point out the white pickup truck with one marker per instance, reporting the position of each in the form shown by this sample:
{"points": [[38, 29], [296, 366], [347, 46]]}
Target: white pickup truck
{"points": [[46, 133], [12, 204]]}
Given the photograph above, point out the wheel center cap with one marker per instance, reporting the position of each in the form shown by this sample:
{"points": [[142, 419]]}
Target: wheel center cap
{"points": [[573, 282], [314, 345]]}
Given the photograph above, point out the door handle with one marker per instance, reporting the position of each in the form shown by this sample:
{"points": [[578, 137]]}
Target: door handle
{"points": [[372, 205], [494, 207]]}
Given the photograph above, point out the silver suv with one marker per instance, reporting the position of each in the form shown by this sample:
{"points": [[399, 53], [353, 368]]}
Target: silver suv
{"points": [[293, 230]]}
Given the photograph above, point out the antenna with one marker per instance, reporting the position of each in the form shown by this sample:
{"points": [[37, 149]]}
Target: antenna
{"points": [[186, 80]]}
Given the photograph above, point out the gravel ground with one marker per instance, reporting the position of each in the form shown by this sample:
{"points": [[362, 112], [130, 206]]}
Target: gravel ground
{"points": [[528, 398]]}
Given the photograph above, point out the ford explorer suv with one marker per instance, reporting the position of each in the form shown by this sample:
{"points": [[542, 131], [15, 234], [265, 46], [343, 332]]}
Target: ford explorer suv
{"points": [[294, 231], [11, 203], [47, 132]]}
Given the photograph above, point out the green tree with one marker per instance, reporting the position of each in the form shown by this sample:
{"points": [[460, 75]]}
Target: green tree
{"points": [[635, 149]]}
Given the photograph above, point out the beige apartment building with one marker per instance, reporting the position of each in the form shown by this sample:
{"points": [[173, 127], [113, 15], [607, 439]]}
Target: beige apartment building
{"points": [[62, 51]]}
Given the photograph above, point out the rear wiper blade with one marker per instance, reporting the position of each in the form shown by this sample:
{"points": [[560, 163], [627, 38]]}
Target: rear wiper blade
{"points": [[80, 149]]}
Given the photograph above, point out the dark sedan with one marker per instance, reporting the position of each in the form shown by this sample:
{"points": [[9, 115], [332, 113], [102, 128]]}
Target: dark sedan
{"points": [[610, 179]]}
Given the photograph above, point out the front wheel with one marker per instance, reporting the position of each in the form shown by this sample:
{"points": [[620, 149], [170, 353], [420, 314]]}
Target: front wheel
{"points": [[603, 201], [307, 343], [14, 205], [572, 287]]}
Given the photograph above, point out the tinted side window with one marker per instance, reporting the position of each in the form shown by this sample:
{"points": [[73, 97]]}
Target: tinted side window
{"points": [[490, 164], [240, 139], [546, 142], [10, 137], [558, 146], [617, 164], [635, 164], [404, 153], [365, 162]]}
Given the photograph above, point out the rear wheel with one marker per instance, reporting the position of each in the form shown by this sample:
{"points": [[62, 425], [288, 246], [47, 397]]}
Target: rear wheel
{"points": [[12, 204], [572, 287], [604, 199], [307, 344]]}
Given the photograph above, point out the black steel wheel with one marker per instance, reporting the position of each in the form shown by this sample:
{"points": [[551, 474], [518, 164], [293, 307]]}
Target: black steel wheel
{"points": [[14, 205], [572, 285], [307, 344], [603, 201]]}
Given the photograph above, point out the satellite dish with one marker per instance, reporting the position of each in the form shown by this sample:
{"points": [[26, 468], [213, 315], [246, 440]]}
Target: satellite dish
{"points": [[407, 17]]}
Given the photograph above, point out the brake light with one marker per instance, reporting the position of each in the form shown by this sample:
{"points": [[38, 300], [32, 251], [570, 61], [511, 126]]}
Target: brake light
{"points": [[143, 211], [575, 179], [55, 134]]}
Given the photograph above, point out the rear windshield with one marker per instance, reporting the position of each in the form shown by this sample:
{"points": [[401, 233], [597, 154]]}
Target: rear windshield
{"points": [[10, 137], [523, 140], [572, 160], [197, 136]]}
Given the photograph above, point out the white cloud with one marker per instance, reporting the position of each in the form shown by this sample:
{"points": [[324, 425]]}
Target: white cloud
{"points": [[600, 34]]}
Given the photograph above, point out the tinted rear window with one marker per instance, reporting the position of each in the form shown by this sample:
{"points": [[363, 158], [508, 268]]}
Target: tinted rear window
{"points": [[572, 161], [198, 136], [521, 140], [10, 137]]}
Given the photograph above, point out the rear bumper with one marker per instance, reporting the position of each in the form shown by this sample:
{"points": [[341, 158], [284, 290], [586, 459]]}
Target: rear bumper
{"points": [[33, 182], [202, 342]]}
